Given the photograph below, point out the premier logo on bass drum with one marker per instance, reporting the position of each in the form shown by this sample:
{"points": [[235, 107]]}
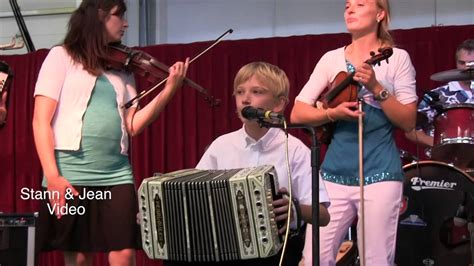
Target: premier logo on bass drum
{"points": [[419, 184]]}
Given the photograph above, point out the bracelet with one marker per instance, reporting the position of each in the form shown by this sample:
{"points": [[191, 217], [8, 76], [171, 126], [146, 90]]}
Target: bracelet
{"points": [[329, 117]]}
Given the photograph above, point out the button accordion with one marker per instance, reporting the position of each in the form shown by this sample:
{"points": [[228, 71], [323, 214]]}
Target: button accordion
{"points": [[210, 215]]}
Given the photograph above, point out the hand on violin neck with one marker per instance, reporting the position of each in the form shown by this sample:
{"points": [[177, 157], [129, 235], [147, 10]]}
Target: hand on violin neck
{"points": [[365, 75], [177, 73]]}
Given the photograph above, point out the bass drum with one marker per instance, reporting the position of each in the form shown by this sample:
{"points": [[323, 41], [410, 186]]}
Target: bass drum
{"points": [[438, 201]]}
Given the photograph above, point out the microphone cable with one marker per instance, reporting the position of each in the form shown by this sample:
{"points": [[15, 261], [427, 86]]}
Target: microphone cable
{"points": [[290, 193]]}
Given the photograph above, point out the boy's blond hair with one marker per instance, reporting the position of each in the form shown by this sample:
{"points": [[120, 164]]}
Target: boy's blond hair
{"points": [[271, 76]]}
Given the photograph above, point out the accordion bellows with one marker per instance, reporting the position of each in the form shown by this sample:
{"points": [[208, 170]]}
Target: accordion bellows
{"points": [[210, 215]]}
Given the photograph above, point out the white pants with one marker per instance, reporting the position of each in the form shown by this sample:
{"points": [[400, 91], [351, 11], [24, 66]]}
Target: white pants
{"points": [[382, 203]]}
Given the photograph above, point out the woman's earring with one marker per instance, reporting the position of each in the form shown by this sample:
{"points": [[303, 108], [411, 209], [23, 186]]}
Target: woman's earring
{"points": [[378, 20]]}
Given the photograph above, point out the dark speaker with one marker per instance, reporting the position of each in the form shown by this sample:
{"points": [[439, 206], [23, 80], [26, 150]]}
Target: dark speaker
{"points": [[17, 239]]}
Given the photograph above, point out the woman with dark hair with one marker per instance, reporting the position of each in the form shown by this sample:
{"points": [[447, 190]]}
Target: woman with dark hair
{"points": [[389, 100], [81, 135]]}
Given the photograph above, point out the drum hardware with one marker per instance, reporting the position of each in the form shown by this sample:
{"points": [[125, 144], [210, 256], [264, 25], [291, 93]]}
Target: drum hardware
{"points": [[407, 157], [454, 75]]}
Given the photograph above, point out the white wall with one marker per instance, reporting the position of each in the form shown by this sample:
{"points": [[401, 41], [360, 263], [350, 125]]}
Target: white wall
{"points": [[185, 21], [45, 31], [191, 20]]}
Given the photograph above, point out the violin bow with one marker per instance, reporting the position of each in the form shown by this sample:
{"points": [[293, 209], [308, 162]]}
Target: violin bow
{"points": [[146, 92]]}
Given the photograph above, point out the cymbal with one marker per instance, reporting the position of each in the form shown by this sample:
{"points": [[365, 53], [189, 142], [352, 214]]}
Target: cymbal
{"points": [[454, 75]]}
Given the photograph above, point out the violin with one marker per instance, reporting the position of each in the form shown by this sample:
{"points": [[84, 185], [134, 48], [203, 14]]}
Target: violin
{"points": [[121, 57], [344, 89], [6, 75]]}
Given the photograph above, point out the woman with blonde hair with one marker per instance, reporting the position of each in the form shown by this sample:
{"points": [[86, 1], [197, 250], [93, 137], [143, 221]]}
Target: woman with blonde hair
{"points": [[388, 100]]}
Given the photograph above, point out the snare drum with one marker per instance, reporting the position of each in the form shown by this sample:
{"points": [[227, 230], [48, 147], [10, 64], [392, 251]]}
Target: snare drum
{"points": [[454, 136], [434, 192]]}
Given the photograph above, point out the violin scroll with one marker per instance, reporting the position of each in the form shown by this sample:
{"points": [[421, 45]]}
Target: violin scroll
{"points": [[384, 54]]}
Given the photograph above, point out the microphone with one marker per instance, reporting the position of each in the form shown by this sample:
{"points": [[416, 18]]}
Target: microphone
{"points": [[252, 113]]}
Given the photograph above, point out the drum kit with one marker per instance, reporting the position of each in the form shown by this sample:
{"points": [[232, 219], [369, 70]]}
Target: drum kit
{"points": [[436, 223]]}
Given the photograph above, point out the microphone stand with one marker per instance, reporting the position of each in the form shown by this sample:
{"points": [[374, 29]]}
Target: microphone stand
{"points": [[315, 148]]}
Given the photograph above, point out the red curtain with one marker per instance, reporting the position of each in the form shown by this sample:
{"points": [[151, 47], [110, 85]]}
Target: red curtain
{"points": [[179, 136]]}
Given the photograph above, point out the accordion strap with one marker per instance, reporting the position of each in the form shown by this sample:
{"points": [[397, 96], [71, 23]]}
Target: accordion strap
{"points": [[298, 215], [296, 203]]}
